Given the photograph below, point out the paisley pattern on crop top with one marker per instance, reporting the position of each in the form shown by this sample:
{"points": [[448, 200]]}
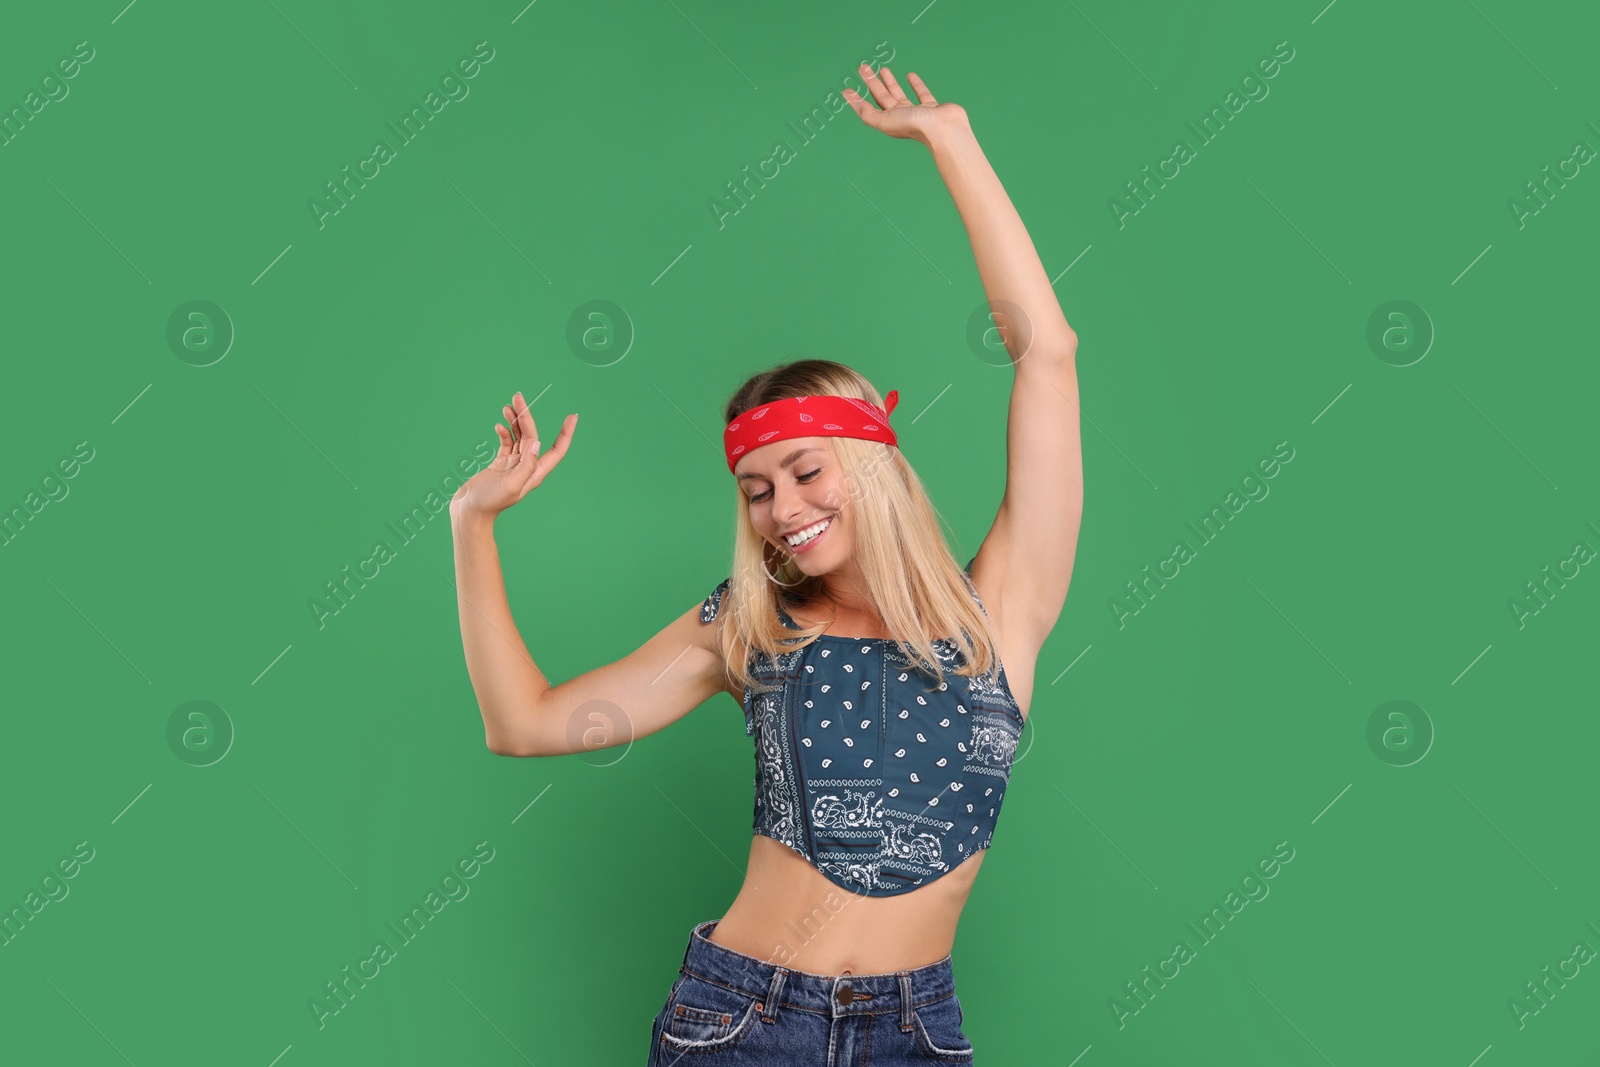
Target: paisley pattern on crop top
{"points": [[881, 786]]}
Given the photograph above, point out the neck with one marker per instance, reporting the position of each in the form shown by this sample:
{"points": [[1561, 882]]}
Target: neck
{"points": [[846, 590]]}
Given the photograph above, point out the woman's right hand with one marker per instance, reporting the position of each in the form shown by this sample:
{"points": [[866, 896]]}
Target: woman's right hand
{"points": [[516, 468]]}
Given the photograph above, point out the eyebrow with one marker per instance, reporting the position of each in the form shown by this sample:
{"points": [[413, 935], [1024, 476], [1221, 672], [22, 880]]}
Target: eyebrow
{"points": [[787, 460]]}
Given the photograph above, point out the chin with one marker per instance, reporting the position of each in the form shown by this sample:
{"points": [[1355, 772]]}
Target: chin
{"points": [[814, 563]]}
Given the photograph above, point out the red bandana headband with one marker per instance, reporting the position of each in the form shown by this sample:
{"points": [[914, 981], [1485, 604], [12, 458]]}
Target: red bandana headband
{"points": [[809, 416]]}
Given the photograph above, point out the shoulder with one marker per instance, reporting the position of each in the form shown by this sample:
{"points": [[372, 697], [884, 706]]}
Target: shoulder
{"points": [[710, 608], [713, 603]]}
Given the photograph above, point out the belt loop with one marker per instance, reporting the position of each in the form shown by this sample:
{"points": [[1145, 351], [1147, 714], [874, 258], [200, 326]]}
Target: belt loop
{"points": [[769, 1008], [905, 1001], [690, 946]]}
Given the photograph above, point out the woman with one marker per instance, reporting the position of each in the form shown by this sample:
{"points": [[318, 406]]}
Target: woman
{"points": [[883, 747]]}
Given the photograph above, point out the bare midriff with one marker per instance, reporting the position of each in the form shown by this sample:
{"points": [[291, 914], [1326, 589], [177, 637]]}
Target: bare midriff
{"points": [[789, 913]]}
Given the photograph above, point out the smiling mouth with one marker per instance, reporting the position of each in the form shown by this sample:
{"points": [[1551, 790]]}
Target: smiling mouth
{"points": [[816, 532]]}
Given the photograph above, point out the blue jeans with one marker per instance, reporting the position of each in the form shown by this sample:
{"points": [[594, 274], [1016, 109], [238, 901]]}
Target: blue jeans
{"points": [[730, 1009]]}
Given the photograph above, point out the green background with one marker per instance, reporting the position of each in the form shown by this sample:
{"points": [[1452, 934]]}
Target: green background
{"points": [[374, 353]]}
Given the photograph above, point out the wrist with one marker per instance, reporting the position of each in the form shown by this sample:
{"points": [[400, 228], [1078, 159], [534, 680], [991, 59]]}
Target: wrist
{"points": [[950, 132], [469, 521]]}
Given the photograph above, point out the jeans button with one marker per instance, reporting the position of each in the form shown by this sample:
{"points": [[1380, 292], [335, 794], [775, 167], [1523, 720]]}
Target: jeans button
{"points": [[844, 993]]}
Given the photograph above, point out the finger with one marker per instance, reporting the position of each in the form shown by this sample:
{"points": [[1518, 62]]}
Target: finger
{"points": [[893, 86], [525, 421], [875, 86], [547, 462], [511, 422], [519, 426], [502, 435], [924, 95], [559, 448], [528, 454], [569, 426], [529, 466], [868, 113]]}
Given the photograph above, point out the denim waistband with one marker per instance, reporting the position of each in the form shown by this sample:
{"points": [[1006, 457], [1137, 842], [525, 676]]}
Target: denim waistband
{"points": [[776, 986]]}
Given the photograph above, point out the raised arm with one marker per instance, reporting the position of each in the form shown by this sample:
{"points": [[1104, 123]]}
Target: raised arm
{"points": [[668, 676], [660, 682], [1027, 556]]}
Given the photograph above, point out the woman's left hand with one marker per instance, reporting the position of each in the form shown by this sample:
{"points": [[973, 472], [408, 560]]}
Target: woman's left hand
{"points": [[896, 115]]}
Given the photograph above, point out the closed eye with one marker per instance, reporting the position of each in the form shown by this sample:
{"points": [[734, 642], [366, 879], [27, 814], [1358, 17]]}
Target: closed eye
{"points": [[803, 478]]}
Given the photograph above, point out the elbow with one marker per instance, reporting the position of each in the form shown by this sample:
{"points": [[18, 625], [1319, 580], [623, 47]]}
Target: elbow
{"points": [[510, 746], [1065, 348], [514, 730]]}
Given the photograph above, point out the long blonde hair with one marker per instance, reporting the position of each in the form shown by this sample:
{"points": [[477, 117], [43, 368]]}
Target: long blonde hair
{"points": [[912, 578]]}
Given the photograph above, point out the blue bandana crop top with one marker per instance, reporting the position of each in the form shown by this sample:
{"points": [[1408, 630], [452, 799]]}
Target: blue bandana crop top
{"points": [[882, 782]]}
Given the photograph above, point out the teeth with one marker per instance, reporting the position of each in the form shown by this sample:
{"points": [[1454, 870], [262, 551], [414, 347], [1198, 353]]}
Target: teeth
{"points": [[808, 533]]}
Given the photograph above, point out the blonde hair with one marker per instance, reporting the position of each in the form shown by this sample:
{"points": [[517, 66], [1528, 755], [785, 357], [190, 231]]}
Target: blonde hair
{"points": [[916, 584]]}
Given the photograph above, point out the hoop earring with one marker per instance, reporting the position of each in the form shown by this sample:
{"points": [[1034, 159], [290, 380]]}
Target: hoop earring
{"points": [[778, 579]]}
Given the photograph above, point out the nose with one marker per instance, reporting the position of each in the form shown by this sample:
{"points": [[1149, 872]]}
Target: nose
{"points": [[787, 506]]}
